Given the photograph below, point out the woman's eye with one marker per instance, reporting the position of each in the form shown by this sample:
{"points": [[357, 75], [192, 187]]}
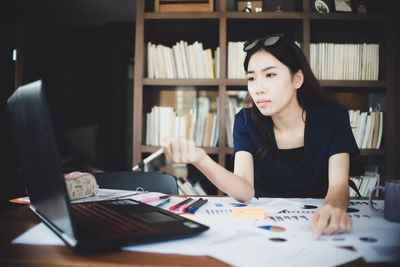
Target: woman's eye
{"points": [[268, 75], [250, 78]]}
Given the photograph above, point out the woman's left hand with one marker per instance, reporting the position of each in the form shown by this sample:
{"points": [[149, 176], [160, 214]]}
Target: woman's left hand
{"points": [[330, 220]]}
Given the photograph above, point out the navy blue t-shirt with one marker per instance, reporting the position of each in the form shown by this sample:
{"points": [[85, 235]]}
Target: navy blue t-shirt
{"points": [[327, 132]]}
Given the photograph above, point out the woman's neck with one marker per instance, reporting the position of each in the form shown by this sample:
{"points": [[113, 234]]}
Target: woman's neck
{"points": [[290, 118]]}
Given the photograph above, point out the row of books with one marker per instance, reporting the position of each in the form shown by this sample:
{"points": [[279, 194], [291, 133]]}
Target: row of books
{"points": [[182, 61], [186, 188], [201, 127], [345, 61], [367, 128], [328, 61], [236, 57], [233, 106], [365, 183]]}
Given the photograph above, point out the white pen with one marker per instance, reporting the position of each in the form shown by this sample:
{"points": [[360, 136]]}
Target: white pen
{"points": [[148, 159]]}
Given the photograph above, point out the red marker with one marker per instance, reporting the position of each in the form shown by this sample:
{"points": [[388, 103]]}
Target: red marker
{"points": [[174, 207]]}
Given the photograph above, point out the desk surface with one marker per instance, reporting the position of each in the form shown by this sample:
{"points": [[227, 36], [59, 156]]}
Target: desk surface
{"points": [[14, 223]]}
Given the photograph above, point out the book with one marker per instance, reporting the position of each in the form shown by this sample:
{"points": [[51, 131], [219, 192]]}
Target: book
{"points": [[182, 190], [380, 130], [207, 130], [210, 64], [375, 129], [179, 61], [183, 51], [361, 128], [214, 131], [366, 132], [150, 64], [186, 186], [199, 189]]}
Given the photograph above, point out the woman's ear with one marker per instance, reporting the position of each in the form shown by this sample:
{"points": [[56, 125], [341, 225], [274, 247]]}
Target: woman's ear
{"points": [[298, 79]]}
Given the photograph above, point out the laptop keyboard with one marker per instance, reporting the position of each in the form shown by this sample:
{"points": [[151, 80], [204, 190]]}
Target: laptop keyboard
{"points": [[108, 224]]}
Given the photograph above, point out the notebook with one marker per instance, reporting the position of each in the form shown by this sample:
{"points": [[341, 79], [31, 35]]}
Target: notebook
{"points": [[85, 227]]}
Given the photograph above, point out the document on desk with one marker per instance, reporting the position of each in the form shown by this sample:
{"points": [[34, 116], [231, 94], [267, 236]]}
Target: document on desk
{"points": [[225, 205], [283, 238]]}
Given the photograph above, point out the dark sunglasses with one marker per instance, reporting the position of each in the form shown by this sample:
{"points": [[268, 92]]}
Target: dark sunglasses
{"points": [[265, 41]]}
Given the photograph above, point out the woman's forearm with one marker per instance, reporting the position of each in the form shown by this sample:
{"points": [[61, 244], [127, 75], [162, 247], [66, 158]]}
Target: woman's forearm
{"points": [[233, 185], [338, 196]]}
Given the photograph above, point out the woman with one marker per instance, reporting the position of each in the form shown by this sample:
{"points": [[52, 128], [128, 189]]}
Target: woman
{"points": [[290, 143]]}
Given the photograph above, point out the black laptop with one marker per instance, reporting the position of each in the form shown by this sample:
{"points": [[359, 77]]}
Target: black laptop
{"points": [[88, 226]]}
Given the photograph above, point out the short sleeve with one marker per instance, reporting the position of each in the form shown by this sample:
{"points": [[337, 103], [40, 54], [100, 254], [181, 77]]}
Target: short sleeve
{"points": [[241, 133], [343, 139]]}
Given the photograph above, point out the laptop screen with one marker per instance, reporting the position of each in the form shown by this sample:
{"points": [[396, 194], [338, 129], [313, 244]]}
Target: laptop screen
{"points": [[39, 155]]}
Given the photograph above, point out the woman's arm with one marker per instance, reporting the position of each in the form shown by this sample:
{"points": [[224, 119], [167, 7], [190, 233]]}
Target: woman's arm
{"points": [[332, 217], [239, 184]]}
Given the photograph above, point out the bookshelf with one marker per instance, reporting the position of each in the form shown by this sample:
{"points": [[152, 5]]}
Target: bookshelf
{"points": [[225, 24]]}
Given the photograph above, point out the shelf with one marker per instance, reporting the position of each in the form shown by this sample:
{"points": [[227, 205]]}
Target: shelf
{"points": [[342, 83], [243, 82], [264, 15], [218, 28], [182, 15], [198, 82], [344, 16], [261, 15], [372, 152]]}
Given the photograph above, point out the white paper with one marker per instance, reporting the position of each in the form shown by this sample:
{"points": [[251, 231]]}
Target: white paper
{"points": [[40, 234], [260, 251]]}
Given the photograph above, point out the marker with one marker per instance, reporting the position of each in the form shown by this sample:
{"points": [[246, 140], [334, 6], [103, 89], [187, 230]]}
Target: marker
{"points": [[183, 207], [198, 205], [174, 207], [193, 204], [151, 199], [148, 159], [304, 217], [163, 203]]}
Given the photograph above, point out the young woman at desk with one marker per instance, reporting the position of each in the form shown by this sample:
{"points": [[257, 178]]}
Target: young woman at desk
{"points": [[291, 142]]}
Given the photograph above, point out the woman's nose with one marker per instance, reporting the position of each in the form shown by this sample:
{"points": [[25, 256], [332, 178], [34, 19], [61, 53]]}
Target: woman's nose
{"points": [[260, 87]]}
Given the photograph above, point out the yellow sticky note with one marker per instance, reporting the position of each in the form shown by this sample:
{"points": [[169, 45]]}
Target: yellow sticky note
{"points": [[257, 214]]}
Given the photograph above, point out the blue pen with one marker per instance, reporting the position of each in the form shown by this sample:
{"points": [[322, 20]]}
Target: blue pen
{"points": [[163, 203]]}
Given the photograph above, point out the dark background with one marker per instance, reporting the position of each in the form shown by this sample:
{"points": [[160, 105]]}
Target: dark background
{"points": [[81, 50]]}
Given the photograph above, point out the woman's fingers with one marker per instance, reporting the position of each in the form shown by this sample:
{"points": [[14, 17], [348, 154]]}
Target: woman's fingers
{"points": [[330, 220], [179, 150]]}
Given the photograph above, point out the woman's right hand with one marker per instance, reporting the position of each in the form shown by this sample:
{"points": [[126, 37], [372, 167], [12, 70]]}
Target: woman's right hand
{"points": [[180, 150]]}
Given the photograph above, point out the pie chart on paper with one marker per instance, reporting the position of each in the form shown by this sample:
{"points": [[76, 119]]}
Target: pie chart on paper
{"points": [[273, 228]]}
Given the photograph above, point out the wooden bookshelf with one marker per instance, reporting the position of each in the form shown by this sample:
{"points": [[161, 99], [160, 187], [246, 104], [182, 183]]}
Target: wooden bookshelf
{"points": [[229, 25]]}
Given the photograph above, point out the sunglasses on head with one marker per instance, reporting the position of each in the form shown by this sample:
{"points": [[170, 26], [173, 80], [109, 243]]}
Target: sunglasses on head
{"points": [[265, 41]]}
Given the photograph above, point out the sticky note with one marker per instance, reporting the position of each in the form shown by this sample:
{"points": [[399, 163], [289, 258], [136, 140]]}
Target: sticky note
{"points": [[254, 213]]}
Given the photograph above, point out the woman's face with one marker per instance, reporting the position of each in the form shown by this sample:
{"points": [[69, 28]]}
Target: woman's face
{"points": [[271, 85]]}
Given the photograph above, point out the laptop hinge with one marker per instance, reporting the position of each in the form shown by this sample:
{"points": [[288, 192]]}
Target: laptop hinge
{"points": [[70, 240]]}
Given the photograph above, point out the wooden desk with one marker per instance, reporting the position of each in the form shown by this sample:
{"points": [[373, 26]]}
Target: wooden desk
{"points": [[14, 223]]}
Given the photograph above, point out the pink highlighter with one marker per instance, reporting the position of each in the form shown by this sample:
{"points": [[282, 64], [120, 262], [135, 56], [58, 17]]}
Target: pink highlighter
{"points": [[183, 207]]}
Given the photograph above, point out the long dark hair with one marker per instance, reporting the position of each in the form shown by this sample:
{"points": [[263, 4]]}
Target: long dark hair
{"points": [[309, 94]]}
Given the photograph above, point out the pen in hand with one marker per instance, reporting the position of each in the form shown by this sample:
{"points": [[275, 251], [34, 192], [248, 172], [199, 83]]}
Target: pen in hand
{"points": [[148, 159]]}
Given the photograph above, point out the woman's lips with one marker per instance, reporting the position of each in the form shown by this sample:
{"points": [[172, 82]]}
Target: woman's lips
{"points": [[262, 103]]}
